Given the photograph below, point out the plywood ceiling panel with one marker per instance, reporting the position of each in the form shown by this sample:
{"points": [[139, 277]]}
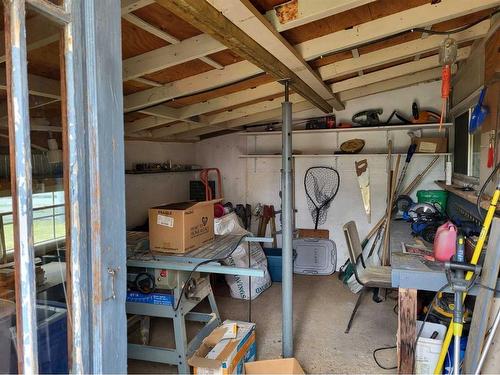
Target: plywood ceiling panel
{"points": [[129, 87], [136, 41], [180, 71], [158, 16], [226, 57], [349, 19]]}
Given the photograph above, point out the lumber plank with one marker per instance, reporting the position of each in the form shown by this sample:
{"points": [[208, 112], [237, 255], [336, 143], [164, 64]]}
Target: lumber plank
{"points": [[206, 18], [407, 330]]}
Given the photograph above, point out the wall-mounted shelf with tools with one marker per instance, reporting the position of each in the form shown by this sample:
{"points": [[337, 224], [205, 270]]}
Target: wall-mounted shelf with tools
{"points": [[353, 129]]}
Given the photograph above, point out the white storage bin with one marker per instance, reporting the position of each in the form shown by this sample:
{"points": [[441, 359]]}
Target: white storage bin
{"points": [[427, 351]]}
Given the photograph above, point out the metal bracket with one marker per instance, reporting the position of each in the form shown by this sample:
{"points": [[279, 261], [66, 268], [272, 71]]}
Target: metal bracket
{"points": [[112, 272]]}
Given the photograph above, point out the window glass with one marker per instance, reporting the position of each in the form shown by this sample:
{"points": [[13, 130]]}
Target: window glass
{"points": [[467, 151]]}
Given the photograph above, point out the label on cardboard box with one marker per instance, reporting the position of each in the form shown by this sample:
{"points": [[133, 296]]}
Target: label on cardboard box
{"points": [[166, 221], [428, 147]]}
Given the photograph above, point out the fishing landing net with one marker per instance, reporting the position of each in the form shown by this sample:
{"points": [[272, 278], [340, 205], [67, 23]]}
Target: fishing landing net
{"points": [[321, 185]]}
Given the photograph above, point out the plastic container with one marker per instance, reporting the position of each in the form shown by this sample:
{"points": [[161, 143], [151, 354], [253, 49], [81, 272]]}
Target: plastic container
{"points": [[314, 256], [438, 197], [274, 265], [445, 242], [427, 351]]}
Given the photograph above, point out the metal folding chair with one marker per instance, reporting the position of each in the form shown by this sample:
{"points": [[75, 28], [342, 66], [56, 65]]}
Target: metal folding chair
{"points": [[368, 277]]}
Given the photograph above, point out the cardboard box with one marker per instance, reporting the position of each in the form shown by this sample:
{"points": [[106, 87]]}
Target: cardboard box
{"points": [[181, 227], [219, 356], [431, 145], [314, 233], [274, 366]]}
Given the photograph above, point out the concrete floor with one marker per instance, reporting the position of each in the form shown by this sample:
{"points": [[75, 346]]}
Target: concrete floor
{"points": [[322, 305]]}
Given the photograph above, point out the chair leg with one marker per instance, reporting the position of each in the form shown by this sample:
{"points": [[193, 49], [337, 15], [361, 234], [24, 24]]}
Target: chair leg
{"points": [[358, 302]]}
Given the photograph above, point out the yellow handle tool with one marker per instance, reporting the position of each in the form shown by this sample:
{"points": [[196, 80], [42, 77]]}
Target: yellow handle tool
{"points": [[468, 276]]}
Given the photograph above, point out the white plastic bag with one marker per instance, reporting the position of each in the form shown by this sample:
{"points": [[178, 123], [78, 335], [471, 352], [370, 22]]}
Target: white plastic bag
{"points": [[243, 287]]}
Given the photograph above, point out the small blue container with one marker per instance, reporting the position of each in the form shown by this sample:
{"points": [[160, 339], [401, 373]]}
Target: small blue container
{"points": [[274, 266]]}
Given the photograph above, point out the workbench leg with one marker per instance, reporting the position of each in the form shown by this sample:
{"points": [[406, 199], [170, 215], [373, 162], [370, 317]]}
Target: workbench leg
{"points": [[213, 305], [181, 341], [407, 330]]}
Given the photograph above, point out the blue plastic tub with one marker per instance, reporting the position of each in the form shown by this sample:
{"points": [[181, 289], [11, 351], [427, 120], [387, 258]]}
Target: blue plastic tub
{"points": [[274, 267]]}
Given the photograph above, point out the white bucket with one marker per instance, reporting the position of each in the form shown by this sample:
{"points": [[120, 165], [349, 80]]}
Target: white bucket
{"points": [[427, 351]]}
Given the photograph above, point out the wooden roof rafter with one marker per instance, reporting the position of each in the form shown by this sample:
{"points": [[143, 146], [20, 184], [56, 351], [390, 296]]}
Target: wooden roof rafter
{"points": [[205, 17], [242, 70], [330, 71], [231, 119]]}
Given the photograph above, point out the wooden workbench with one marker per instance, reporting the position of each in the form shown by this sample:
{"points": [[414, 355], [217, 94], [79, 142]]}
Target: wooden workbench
{"points": [[411, 273]]}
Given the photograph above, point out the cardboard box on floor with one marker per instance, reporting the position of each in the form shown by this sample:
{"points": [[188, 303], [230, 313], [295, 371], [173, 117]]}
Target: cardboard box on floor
{"points": [[274, 366], [181, 227], [218, 355]]}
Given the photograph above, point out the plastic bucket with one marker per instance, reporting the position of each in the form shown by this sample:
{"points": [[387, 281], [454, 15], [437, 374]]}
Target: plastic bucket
{"points": [[427, 351], [438, 197]]}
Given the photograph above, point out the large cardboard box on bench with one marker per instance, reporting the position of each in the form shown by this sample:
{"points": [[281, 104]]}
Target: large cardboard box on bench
{"points": [[220, 355], [181, 227]]}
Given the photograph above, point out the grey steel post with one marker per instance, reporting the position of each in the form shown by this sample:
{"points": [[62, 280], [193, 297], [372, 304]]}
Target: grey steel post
{"points": [[20, 159], [287, 226]]}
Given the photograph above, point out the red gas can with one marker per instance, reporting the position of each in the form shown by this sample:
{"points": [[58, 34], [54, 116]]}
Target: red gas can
{"points": [[445, 242]]}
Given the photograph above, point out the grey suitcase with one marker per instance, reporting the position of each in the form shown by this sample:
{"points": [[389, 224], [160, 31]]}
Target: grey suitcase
{"points": [[314, 256]]}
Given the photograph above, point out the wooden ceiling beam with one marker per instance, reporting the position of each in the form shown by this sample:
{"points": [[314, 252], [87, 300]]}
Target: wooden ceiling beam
{"points": [[395, 71], [172, 40], [209, 20], [398, 52], [340, 40], [375, 82], [191, 85], [338, 69], [244, 15], [383, 27], [310, 11], [171, 55], [129, 6], [392, 84]]}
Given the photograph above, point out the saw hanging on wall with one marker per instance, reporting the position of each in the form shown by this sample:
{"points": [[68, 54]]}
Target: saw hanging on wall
{"points": [[364, 184]]}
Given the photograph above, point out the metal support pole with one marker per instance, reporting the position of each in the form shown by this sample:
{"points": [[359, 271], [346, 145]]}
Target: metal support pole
{"points": [[20, 167], [287, 225]]}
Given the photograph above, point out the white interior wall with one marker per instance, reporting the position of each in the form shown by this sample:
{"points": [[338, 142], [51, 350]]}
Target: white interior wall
{"points": [[257, 180], [147, 190]]}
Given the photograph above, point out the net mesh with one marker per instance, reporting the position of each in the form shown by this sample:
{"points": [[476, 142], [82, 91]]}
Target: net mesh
{"points": [[321, 185]]}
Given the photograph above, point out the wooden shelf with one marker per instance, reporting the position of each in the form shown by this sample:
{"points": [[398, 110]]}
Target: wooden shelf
{"points": [[270, 156], [161, 171], [356, 129], [469, 196]]}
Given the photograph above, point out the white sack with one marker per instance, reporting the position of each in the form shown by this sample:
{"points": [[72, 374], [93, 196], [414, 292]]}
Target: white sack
{"points": [[240, 285]]}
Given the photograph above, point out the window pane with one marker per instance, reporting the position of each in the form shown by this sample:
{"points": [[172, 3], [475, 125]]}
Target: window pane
{"points": [[461, 157], [476, 154]]}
